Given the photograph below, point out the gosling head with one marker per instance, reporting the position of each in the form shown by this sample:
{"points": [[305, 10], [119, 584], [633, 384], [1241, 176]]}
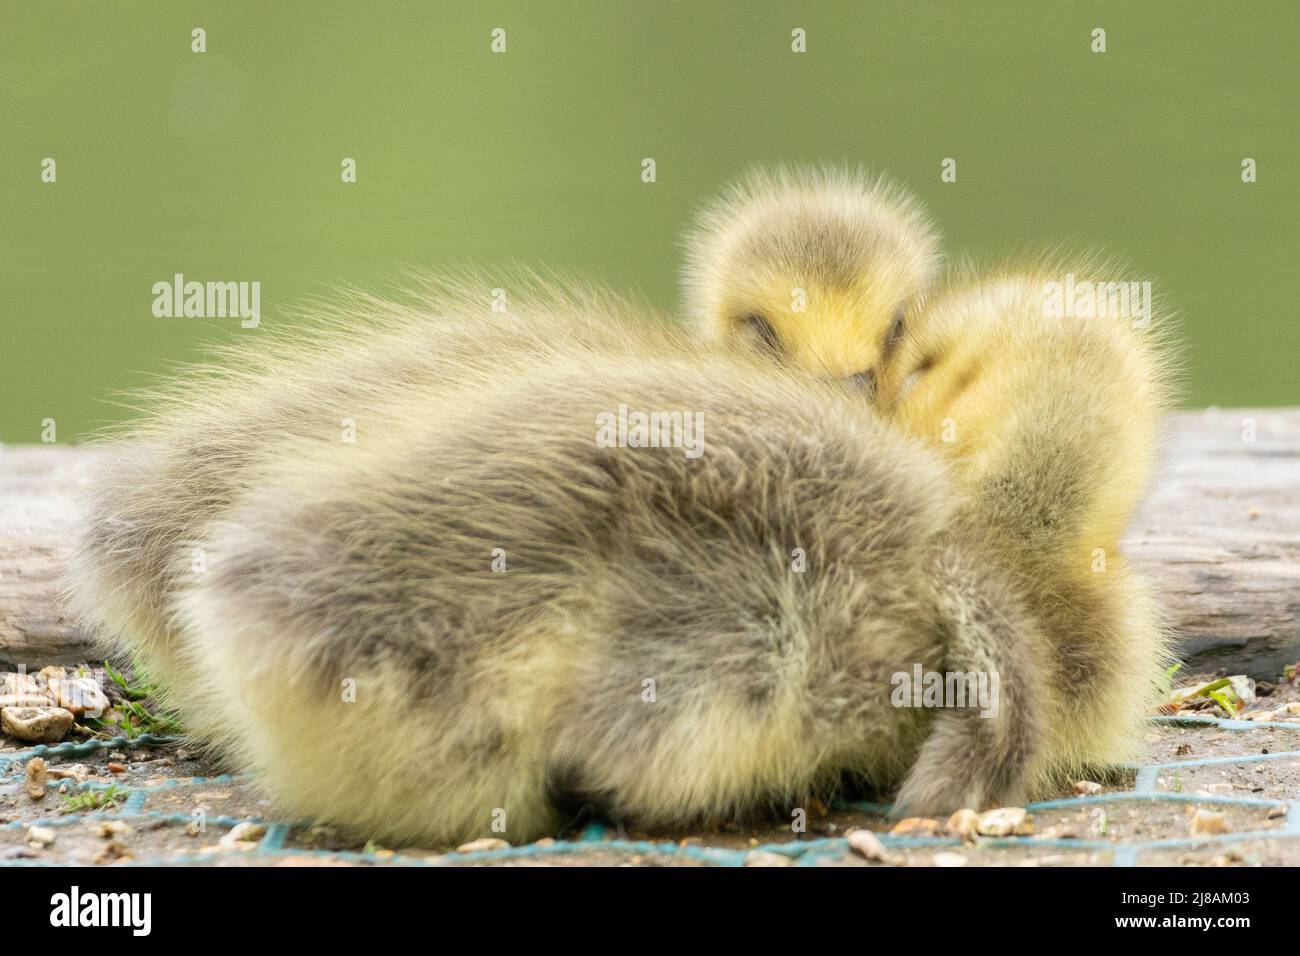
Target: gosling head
{"points": [[819, 267]]}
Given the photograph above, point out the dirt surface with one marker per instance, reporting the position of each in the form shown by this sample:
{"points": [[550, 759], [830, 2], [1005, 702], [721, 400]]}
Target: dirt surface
{"points": [[178, 807]]}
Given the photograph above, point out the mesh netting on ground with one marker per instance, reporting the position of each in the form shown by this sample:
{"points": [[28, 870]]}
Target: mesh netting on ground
{"points": [[131, 805]]}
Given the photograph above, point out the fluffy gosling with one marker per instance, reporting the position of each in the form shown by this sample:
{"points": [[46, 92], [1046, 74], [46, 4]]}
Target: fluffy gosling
{"points": [[818, 266], [1051, 417], [646, 644]]}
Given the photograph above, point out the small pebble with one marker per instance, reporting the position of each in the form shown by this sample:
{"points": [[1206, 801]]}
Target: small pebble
{"points": [[1276, 812], [1087, 787], [1005, 821], [42, 725], [37, 777], [112, 828], [765, 858], [867, 845], [246, 832], [1207, 821], [80, 695], [39, 837], [917, 825], [478, 846], [115, 767]]}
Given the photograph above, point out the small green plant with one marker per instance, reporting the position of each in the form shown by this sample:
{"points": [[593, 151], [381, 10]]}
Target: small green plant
{"points": [[131, 691], [133, 718], [94, 799], [1220, 691], [1101, 821], [1166, 684]]}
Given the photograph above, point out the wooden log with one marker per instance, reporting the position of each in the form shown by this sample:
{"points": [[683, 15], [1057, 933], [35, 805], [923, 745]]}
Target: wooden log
{"points": [[1219, 534], [1220, 537], [38, 488]]}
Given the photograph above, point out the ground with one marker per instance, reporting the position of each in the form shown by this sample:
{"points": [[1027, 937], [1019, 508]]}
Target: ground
{"points": [[168, 805]]}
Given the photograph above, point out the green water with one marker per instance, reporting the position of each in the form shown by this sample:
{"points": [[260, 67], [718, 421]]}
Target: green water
{"points": [[225, 165]]}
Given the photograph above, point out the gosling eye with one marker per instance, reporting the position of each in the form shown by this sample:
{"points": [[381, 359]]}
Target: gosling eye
{"points": [[763, 331], [897, 326]]}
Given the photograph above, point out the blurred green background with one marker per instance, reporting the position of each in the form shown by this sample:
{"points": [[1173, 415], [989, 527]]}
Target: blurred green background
{"points": [[225, 165]]}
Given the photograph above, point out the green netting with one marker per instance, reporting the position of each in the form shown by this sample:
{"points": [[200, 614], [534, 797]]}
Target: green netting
{"points": [[596, 836]]}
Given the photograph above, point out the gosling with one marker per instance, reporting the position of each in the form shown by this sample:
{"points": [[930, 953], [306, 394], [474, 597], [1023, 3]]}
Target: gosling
{"points": [[819, 267], [1051, 417], [478, 615]]}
